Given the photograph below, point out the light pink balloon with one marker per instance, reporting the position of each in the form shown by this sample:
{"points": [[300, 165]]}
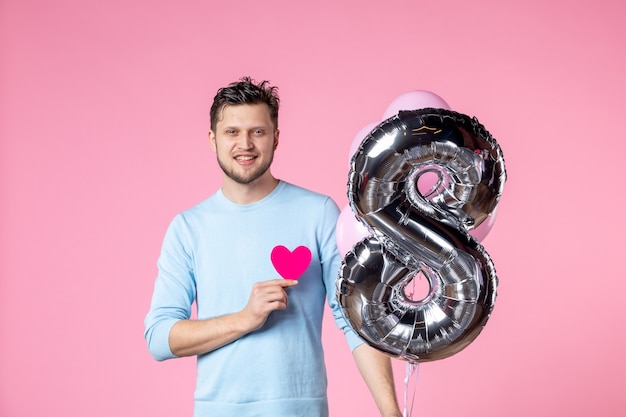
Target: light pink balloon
{"points": [[413, 100], [349, 231], [356, 142]]}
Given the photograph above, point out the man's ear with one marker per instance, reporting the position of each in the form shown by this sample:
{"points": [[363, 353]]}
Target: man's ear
{"points": [[276, 134], [212, 140]]}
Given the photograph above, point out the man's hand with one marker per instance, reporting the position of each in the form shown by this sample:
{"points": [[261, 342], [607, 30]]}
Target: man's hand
{"points": [[195, 337], [265, 297]]}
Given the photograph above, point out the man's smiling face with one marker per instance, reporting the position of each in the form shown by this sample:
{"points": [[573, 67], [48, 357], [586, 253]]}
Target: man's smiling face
{"points": [[244, 140]]}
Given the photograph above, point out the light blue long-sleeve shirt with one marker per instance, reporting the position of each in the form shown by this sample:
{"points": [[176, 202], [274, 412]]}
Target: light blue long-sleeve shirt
{"points": [[212, 254]]}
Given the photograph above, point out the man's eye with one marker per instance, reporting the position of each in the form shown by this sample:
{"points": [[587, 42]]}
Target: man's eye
{"points": [[259, 132]]}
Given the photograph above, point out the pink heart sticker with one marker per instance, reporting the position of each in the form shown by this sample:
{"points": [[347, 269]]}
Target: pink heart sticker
{"points": [[290, 265]]}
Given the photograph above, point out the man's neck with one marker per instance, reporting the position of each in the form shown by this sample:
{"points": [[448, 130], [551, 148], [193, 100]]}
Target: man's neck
{"points": [[248, 193]]}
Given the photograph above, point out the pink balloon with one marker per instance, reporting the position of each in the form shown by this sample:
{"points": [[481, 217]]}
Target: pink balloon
{"points": [[356, 142], [349, 231], [483, 229], [413, 100]]}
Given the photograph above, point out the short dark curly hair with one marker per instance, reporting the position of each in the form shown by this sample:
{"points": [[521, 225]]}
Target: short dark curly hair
{"points": [[245, 91]]}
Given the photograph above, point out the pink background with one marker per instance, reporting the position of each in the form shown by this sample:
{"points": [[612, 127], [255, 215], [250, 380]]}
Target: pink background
{"points": [[104, 114]]}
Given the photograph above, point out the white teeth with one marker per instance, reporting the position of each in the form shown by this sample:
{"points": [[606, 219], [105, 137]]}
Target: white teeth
{"points": [[244, 158]]}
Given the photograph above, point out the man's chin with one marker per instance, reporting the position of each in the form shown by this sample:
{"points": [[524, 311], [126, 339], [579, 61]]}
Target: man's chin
{"points": [[244, 180], [249, 178]]}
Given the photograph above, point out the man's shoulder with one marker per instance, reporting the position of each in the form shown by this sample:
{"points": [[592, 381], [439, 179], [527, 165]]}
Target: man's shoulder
{"points": [[304, 192], [200, 209], [304, 200]]}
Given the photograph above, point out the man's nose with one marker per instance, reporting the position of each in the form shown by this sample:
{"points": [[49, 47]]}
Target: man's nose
{"points": [[245, 141]]}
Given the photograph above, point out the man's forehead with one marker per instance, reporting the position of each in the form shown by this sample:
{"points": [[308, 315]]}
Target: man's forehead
{"points": [[257, 114]]}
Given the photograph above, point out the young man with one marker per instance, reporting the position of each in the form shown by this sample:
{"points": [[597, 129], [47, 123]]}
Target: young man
{"points": [[257, 336]]}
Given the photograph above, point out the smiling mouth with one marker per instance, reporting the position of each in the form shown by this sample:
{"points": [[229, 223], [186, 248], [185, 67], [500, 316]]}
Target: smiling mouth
{"points": [[245, 158]]}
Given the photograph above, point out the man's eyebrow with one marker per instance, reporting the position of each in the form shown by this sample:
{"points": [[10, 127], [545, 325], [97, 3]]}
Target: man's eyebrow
{"points": [[247, 128]]}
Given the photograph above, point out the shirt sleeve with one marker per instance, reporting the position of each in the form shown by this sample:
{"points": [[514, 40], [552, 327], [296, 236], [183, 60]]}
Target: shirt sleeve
{"points": [[174, 289], [331, 261]]}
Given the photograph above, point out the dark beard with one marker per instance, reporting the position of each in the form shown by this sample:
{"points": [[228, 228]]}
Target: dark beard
{"points": [[253, 176]]}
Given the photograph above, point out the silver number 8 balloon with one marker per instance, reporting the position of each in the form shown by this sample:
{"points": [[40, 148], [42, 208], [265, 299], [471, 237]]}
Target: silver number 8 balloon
{"points": [[421, 233]]}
